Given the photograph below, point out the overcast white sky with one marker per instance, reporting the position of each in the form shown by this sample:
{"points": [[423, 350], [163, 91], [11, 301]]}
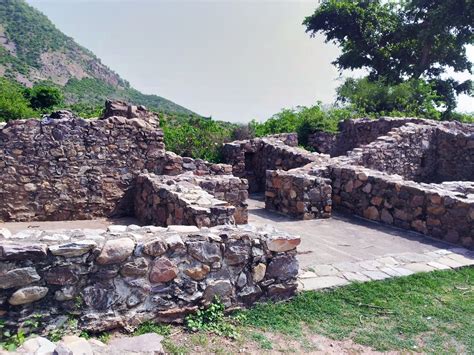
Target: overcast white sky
{"points": [[233, 59]]}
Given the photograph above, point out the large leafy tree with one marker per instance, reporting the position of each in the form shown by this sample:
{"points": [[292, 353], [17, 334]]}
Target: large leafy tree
{"points": [[400, 40]]}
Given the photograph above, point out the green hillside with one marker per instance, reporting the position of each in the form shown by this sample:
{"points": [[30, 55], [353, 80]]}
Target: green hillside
{"points": [[33, 50]]}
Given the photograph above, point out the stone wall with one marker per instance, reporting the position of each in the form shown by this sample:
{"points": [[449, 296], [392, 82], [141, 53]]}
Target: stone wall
{"points": [[322, 142], [409, 151], [64, 167], [443, 211], [431, 152], [228, 188], [455, 154], [251, 159], [163, 201], [355, 133], [71, 168], [296, 194], [128, 275]]}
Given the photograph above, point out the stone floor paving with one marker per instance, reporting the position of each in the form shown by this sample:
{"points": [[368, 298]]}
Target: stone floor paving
{"points": [[343, 249], [333, 252]]}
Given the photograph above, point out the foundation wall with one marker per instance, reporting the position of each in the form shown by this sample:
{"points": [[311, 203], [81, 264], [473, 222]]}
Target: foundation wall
{"points": [[355, 133]]}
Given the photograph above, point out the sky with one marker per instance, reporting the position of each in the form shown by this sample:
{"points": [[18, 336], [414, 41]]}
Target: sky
{"points": [[234, 60]]}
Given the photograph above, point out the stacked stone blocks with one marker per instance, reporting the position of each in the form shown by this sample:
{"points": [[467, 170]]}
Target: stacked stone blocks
{"points": [[129, 275]]}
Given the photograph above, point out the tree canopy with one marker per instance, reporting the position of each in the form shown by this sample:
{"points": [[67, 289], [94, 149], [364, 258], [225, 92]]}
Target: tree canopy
{"points": [[400, 40], [44, 97]]}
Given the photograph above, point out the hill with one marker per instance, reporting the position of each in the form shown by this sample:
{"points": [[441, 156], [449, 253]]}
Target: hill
{"points": [[33, 50]]}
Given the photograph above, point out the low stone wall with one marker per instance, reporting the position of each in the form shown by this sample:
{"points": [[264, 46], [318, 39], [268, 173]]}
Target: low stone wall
{"points": [[409, 151], [228, 188], [443, 211], [296, 194], [123, 277], [251, 159], [174, 164], [163, 201]]}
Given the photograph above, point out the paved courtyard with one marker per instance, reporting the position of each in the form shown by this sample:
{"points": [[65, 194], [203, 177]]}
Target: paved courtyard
{"points": [[341, 249], [334, 251]]}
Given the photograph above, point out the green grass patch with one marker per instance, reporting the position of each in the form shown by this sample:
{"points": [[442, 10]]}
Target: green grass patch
{"points": [[431, 312]]}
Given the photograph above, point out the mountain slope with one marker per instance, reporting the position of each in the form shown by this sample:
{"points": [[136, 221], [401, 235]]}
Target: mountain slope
{"points": [[32, 50]]}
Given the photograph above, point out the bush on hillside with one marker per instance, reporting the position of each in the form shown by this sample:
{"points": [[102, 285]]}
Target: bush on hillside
{"points": [[44, 97], [13, 104]]}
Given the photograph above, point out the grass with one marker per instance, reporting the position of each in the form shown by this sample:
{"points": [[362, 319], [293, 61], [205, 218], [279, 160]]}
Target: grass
{"points": [[431, 312], [427, 312]]}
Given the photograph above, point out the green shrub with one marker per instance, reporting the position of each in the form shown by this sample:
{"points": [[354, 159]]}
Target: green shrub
{"points": [[195, 137], [212, 319], [415, 98], [302, 120], [44, 97], [13, 105]]}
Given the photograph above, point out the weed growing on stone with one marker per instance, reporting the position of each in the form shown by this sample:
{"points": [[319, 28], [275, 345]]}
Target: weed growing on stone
{"points": [[8, 340], [212, 319], [150, 327]]}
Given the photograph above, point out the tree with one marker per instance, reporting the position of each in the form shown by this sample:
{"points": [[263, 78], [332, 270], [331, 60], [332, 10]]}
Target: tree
{"points": [[44, 97], [13, 105], [400, 40]]}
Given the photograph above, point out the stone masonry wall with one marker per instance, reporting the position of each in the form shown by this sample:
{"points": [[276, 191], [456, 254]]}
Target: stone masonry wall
{"points": [[164, 201], [296, 194], [355, 133], [228, 188], [72, 168], [251, 159], [409, 151], [455, 155], [128, 275], [64, 167], [443, 211], [431, 152]]}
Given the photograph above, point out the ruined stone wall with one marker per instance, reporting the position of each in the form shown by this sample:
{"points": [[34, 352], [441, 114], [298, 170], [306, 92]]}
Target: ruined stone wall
{"points": [[296, 194], [228, 188], [252, 158], [163, 201], [455, 155], [65, 167], [355, 133], [322, 142], [409, 151], [121, 278], [443, 211], [431, 152], [62, 169]]}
